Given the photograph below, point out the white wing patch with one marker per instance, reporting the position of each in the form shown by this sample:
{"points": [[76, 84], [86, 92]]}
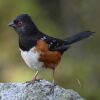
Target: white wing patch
{"points": [[43, 38]]}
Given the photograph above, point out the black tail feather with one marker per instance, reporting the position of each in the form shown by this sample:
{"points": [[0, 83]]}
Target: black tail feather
{"points": [[78, 37]]}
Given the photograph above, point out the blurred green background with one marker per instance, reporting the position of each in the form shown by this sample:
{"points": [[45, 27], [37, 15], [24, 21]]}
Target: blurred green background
{"points": [[58, 18]]}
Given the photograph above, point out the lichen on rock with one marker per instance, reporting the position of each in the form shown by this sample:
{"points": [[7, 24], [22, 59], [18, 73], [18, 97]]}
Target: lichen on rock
{"points": [[38, 91]]}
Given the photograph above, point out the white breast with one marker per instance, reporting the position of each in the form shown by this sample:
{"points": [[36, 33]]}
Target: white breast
{"points": [[31, 58]]}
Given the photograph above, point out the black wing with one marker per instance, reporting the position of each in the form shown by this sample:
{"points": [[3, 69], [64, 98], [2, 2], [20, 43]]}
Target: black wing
{"points": [[62, 45], [55, 44]]}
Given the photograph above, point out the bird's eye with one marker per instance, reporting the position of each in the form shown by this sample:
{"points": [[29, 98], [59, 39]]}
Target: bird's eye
{"points": [[20, 23]]}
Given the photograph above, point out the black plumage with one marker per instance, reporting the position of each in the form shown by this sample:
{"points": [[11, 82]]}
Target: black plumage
{"points": [[29, 34]]}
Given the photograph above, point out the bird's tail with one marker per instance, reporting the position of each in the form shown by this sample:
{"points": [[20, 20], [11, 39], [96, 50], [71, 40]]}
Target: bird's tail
{"points": [[78, 37]]}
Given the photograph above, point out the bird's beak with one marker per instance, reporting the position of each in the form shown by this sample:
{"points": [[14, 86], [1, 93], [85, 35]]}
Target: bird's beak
{"points": [[11, 24]]}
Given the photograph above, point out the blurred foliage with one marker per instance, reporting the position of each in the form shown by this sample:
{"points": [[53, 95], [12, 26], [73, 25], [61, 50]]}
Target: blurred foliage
{"points": [[56, 18]]}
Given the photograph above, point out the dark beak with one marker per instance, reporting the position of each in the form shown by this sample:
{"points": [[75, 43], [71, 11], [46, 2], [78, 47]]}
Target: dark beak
{"points": [[11, 24]]}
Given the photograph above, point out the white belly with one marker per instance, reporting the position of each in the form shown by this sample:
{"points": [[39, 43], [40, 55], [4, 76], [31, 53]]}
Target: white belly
{"points": [[31, 58]]}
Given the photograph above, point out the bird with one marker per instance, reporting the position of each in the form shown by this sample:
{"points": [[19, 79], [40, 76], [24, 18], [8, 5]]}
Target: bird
{"points": [[38, 50]]}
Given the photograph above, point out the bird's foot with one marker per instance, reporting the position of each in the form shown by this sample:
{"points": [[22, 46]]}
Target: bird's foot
{"points": [[32, 82], [52, 86]]}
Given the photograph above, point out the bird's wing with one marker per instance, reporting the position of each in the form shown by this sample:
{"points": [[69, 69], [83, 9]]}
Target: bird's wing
{"points": [[55, 44]]}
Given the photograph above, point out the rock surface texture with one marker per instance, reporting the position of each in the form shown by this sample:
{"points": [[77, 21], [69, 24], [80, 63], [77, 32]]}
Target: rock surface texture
{"points": [[38, 91]]}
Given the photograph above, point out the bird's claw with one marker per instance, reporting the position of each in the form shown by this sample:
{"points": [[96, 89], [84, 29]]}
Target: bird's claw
{"points": [[51, 88], [32, 81]]}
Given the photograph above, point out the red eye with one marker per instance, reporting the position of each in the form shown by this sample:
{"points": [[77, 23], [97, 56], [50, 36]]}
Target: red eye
{"points": [[19, 23]]}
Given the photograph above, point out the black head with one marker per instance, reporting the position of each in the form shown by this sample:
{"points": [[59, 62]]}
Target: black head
{"points": [[23, 24]]}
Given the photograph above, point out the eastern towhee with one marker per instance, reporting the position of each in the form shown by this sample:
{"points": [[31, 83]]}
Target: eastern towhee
{"points": [[39, 50]]}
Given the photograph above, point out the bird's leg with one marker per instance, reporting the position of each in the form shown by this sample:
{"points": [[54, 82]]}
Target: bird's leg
{"points": [[34, 79], [35, 76], [53, 84]]}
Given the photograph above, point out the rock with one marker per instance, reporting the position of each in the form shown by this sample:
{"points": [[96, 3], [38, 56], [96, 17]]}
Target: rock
{"points": [[38, 91]]}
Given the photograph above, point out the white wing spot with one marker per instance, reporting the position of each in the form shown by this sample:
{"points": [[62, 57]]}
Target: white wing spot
{"points": [[51, 43], [54, 40], [43, 38]]}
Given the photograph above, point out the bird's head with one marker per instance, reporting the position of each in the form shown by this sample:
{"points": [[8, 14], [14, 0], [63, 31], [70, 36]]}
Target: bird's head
{"points": [[23, 25]]}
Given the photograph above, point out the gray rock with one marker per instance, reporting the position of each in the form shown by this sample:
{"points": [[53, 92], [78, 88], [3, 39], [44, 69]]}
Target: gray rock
{"points": [[38, 91]]}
